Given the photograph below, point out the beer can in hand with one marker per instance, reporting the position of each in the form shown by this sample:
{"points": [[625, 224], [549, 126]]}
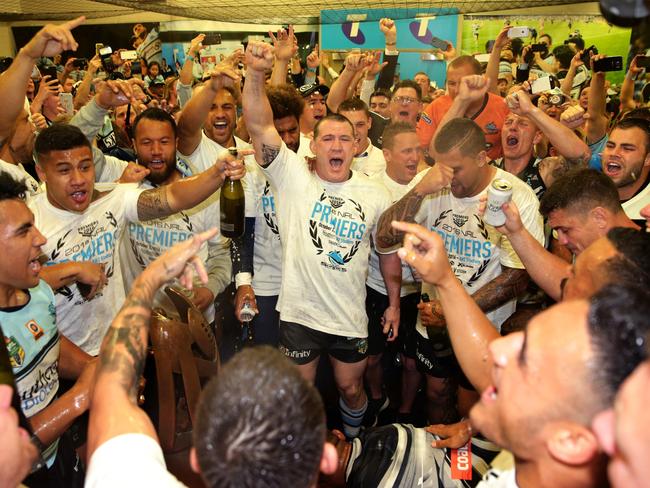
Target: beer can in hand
{"points": [[499, 192]]}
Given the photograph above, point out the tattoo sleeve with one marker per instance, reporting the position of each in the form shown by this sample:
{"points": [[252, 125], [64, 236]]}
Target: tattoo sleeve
{"points": [[387, 238], [125, 345], [153, 204], [269, 153], [508, 285]]}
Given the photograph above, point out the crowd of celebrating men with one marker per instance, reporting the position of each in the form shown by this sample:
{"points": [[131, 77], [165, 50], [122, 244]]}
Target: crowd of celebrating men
{"points": [[365, 245]]}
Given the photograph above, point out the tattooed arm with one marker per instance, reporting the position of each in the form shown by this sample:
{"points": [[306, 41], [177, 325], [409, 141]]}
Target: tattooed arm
{"points": [[388, 238], [257, 109], [186, 193], [510, 283], [114, 410]]}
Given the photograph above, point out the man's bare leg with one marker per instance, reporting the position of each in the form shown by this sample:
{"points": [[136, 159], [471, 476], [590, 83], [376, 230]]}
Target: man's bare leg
{"points": [[308, 371], [353, 401]]}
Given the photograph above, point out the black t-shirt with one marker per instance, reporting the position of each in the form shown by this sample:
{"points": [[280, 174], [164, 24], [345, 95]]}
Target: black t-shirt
{"points": [[530, 175]]}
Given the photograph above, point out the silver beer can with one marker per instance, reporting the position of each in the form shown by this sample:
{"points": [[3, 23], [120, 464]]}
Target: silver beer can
{"points": [[499, 192]]}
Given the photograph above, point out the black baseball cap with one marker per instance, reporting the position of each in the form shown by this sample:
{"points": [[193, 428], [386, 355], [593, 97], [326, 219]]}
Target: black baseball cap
{"points": [[306, 90]]}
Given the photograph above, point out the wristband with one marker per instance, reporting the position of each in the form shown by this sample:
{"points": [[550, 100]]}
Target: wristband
{"points": [[242, 279], [313, 70]]}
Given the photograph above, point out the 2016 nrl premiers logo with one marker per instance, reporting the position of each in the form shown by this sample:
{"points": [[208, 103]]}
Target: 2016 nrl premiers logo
{"points": [[338, 224]]}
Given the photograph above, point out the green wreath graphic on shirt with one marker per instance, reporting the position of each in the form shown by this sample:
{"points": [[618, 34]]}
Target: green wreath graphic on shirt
{"points": [[481, 269], [335, 256], [267, 215]]}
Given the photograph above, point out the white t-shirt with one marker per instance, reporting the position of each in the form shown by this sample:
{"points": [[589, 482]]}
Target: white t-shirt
{"points": [[375, 280], [634, 205], [304, 150], [496, 478], [325, 230], [89, 236], [207, 152], [476, 250], [370, 162], [146, 241], [129, 460], [267, 255]]}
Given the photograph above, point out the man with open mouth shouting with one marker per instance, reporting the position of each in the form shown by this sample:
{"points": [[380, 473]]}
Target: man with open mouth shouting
{"points": [[325, 216]]}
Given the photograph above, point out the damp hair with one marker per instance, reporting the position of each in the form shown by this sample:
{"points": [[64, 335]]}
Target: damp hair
{"points": [[285, 101], [393, 130], [580, 191], [461, 133], [58, 137], [466, 60], [408, 84], [260, 424], [354, 104], [631, 264], [10, 188], [157, 114], [635, 122], [332, 118], [618, 328]]}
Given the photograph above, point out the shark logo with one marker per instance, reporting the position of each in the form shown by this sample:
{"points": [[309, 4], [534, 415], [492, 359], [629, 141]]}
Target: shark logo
{"points": [[336, 258]]}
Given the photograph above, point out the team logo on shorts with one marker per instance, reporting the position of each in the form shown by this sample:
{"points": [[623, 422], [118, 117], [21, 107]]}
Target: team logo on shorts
{"points": [[35, 329], [15, 351], [362, 346]]}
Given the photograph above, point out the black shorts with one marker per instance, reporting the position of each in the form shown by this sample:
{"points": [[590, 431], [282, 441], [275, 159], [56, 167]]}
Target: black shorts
{"points": [[376, 304], [438, 366], [302, 345]]}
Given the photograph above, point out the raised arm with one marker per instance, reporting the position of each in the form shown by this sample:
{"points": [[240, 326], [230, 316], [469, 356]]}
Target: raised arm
{"points": [[50, 40], [389, 238], [391, 54], [185, 76], [598, 121], [257, 109], [566, 85], [492, 70], [83, 91], [354, 63], [189, 192], [627, 87], [114, 408], [544, 268], [196, 111], [313, 62], [286, 47], [469, 329], [563, 139]]}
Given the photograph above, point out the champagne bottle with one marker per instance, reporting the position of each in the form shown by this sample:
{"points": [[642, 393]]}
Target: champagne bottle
{"points": [[7, 378], [232, 206]]}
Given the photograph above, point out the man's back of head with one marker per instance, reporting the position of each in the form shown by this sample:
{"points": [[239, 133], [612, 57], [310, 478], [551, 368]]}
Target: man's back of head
{"points": [[260, 424]]}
